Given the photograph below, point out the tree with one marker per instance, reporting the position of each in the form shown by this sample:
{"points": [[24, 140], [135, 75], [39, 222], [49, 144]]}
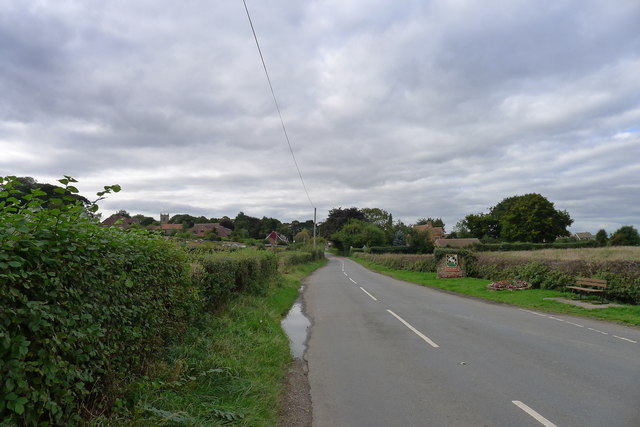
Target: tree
{"points": [[251, 224], [302, 236], [602, 238], [527, 218], [420, 241], [382, 219], [186, 220], [357, 233], [337, 218], [144, 220], [625, 236], [478, 225], [531, 218]]}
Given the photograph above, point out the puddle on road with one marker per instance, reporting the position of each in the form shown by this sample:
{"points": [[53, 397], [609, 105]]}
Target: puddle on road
{"points": [[296, 325]]}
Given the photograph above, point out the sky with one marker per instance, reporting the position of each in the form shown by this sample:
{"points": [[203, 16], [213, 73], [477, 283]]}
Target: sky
{"points": [[436, 108]]}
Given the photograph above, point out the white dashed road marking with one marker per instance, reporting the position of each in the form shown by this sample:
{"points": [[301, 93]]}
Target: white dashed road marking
{"points": [[414, 330], [542, 420], [365, 291]]}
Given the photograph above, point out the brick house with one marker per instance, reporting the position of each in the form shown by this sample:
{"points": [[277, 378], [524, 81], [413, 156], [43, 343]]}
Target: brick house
{"points": [[435, 233], [116, 220]]}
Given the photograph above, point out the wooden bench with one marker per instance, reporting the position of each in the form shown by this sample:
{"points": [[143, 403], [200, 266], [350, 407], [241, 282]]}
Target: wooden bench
{"points": [[589, 286]]}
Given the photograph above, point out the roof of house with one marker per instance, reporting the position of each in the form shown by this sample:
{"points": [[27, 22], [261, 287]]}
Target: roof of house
{"points": [[120, 221], [436, 232], [203, 228], [585, 235], [456, 243], [275, 236]]}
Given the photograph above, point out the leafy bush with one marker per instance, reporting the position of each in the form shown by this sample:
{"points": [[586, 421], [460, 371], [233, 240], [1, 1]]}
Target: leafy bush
{"points": [[83, 306], [291, 258], [218, 275]]}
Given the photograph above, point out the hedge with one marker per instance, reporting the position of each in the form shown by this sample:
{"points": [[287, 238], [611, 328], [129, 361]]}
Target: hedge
{"points": [[623, 276], [526, 246], [410, 262], [83, 307], [220, 275]]}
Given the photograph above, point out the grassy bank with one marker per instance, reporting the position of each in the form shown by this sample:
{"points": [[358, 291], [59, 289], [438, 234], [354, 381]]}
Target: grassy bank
{"points": [[532, 298], [229, 369]]}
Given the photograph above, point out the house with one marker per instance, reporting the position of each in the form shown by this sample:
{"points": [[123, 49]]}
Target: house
{"points": [[202, 229], [116, 220], [456, 243], [584, 236], [274, 237], [435, 233], [166, 227]]}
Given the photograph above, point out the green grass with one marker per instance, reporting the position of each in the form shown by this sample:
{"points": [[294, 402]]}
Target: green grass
{"points": [[531, 298], [229, 368]]}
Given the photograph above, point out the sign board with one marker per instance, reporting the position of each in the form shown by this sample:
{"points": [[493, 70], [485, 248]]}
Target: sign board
{"points": [[451, 266]]}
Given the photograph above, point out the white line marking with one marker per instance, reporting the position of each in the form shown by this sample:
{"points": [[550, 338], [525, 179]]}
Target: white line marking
{"points": [[595, 330], [352, 280], [365, 291], [542, 420], [417, 332], [345, 274], [575, 324], [555, 318], [533, 312], [626, 339]]}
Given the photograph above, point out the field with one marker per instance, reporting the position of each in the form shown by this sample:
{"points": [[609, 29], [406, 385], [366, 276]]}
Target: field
{"points": [[613, 253]]}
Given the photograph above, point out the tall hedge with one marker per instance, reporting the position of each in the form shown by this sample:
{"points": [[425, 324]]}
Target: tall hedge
{"points": [[83, 306], [220, 275]]}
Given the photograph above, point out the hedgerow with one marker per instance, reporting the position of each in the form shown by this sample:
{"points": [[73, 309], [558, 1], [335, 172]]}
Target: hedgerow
{"points": [[623, 276], [83, 307], [220, 275], [424, 263]]}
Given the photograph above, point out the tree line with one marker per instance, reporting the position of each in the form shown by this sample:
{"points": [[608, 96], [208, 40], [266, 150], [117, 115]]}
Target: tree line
{"points": [[526, 218]]}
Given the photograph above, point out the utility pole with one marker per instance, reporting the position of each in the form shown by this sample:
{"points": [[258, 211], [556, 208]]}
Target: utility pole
{"points": [[314, 229]]}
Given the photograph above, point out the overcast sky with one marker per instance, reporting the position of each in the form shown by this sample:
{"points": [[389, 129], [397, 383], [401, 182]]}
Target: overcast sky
{"points": [[423, 108]]}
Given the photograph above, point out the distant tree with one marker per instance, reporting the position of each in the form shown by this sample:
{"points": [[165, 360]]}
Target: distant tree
{"points": [[382, 219], [302, 236], [252, 224], [186, 220], [144, 220], [225, 221], [625, 236], [602, 238], [357, 233], [478, 225], [531, 218], [270, 224], [527, 218], [420, 241], [337, 218]]}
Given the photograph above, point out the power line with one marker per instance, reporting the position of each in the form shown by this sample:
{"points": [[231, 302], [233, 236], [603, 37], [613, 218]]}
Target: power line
{"points": [[284, 129]]}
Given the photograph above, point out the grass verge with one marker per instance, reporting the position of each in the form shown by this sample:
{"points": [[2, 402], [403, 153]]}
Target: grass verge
{"points": [[531, 298], [229, 368]]}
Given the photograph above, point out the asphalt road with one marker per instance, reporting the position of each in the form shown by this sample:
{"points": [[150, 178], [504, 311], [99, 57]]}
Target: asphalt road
{"points": [[383, 352]]}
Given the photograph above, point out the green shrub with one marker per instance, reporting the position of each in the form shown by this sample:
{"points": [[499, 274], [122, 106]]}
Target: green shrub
{"points": [[83, 307], [219, 275], [291, 258]]}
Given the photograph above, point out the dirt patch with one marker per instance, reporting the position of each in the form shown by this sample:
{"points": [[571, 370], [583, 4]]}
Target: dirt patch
{"points": [[296, 404]]}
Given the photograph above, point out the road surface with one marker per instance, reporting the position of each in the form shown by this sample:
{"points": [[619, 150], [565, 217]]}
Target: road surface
{"points": [[383, 352]]}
